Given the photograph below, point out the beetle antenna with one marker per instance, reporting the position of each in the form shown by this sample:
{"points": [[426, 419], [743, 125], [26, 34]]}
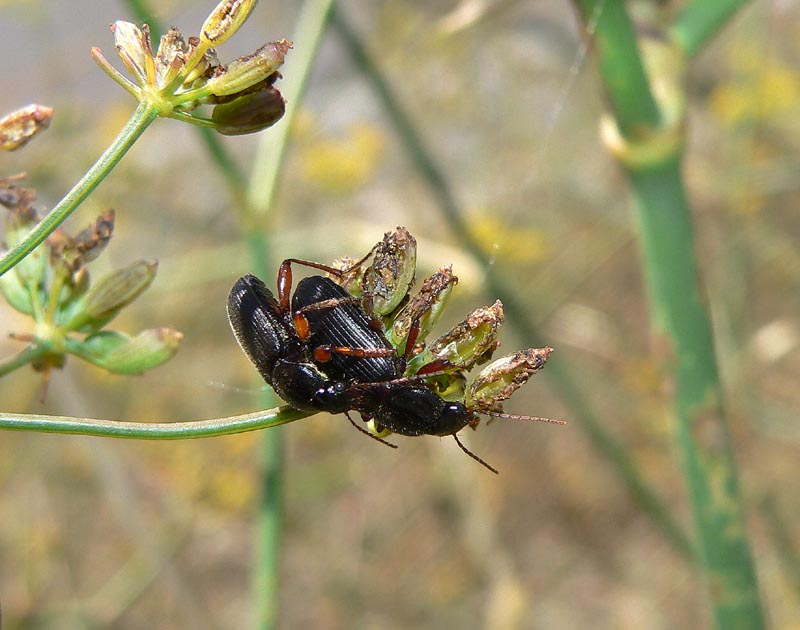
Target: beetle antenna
{"points": [[500, 414], [368, 434], [473, 455]]}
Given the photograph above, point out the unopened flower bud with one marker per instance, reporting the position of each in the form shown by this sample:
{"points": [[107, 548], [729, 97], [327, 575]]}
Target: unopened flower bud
{"points": [[225, 20], [425, 307], [501, 378], [472, 341], [121, 354], [387, 280], [113, 292], [250, 113], [20, 126], [249, 70], [15, 293]]}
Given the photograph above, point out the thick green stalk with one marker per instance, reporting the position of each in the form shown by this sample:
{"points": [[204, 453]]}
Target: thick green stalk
{"points": [[151, 430], [618, 57], [141, 119], [684, 334], [703, 435], [560, 377], [700, 20]]}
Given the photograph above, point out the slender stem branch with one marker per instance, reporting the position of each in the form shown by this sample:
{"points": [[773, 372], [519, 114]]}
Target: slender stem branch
{"points": [[144, 115], [151, 430], [24, 357], [700, 20]]}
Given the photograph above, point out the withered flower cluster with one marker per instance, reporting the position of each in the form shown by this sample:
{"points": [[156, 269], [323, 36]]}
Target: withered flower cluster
{"points": [[52, 286], [385, 290], [186, 73]]}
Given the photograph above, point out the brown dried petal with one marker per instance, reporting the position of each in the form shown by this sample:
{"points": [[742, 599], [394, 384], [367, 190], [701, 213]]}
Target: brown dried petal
{"points": [[92, 241]]}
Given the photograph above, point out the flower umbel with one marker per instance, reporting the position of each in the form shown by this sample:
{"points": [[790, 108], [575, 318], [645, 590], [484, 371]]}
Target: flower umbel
{"points": [[184, 74], [52, 286]]}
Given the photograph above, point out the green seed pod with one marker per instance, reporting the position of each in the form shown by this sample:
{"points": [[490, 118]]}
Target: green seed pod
{"points": [[225, 20], [249, 70], [426, 307], [250, 113], [501, 378], [120, 354], [472, 341], [107, 297], [387, 280]]}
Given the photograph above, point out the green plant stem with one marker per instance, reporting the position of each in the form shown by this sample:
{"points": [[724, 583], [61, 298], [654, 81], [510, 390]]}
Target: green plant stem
{"points": [[151, 430], [560, 377], [700, 20], [24, 357], [141, 119], [617, 52], [685, 339], [703, 435]]}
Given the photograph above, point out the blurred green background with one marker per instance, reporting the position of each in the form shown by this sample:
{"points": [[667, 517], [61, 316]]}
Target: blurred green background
{"points": [[97, 533]]}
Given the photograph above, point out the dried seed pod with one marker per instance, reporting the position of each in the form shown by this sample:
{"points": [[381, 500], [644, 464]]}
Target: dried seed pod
{"points": [[225, 20], [17, 129], [423, 310], [387, 280], [501, 378], [473, 340]]}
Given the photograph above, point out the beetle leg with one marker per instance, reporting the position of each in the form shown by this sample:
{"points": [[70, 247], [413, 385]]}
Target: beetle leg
{"points": [[473, 455], [325, 353], [368, 434]]}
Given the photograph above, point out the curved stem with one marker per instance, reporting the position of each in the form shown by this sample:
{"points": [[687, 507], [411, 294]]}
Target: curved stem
{"points": [[151, 430], [700, 20], [144, 115], [27, 355]]}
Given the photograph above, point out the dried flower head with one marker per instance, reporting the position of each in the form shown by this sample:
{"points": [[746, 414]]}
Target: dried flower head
{"points": [[184, 74]]}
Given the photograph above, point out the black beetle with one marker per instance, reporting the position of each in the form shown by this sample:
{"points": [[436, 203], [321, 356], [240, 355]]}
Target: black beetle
{"points": [[326, 354]]}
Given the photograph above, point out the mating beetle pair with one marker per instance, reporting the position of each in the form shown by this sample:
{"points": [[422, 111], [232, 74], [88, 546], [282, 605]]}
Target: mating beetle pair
{"points": [[321, 351]]}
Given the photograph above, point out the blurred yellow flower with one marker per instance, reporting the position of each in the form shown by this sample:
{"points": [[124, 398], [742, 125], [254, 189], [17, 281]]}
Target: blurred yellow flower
{"points": [[341, 165], [507, 242], [761, 90]]}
